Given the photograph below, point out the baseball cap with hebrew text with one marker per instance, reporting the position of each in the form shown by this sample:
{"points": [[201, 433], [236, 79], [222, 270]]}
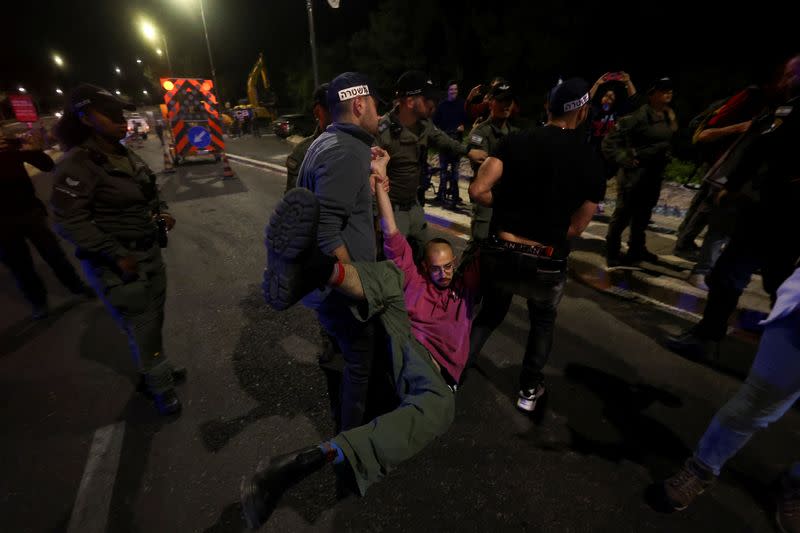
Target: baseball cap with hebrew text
{"points": [[350, 85]]}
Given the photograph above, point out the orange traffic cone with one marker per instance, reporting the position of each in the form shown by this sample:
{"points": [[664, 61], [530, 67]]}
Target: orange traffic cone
{"points": [[168, 167], [227, 171]]}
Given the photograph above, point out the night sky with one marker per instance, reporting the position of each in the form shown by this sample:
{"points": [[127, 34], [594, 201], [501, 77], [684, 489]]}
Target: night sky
{"points": [[709, 50]]}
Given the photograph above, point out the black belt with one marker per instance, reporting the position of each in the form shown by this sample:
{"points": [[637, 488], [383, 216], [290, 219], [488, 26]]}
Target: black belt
{"points": [[531, 249]]}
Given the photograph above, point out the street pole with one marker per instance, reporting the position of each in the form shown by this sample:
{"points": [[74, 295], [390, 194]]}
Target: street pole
{"points": [[208, 46], [310, 9], [166, 52]]}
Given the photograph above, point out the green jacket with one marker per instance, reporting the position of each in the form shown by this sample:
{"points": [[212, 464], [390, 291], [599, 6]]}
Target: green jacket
{"points": [[100, 200], [486, 135], [642, 136], [407, 151], [295, 159]]}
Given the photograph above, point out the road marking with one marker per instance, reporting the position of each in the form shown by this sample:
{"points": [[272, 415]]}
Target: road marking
{"points": [[257, 163], [93, 502]]}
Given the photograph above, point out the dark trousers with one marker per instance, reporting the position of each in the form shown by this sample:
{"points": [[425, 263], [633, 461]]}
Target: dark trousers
{"points": [[448, 178], [534, 279], [357, 341], [637, 195], [732, 273], [15, 254], [696, 218]]}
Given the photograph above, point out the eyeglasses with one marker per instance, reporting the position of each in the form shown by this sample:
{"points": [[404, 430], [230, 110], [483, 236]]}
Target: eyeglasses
{"points": [[443, 269]]}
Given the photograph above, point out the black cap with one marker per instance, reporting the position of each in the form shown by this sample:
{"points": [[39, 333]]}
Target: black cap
{"points": [[415, 83], [348, 85], [568, 96], [320, 96], [661, 84], [502, 91], [85, 95]]}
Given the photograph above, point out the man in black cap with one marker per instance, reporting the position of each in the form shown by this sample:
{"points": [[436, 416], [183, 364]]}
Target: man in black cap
{"points": [[319, 108], [551, 183], [640, 144], [405, 133], [336, 169], [486, 136]]}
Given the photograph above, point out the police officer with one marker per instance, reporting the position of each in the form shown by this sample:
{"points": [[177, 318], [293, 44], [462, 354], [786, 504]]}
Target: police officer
{"points": [[486, 136], [405, 133], [319, 108], [640, 144], [106, 203]]}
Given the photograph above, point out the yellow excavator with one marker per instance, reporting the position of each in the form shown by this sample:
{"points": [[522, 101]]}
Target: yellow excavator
{"points": [[259, 70]]}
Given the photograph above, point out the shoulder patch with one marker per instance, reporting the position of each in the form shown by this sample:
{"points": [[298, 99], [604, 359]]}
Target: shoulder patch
{"points": [[475, 138], [382, 126], [72, 182]]}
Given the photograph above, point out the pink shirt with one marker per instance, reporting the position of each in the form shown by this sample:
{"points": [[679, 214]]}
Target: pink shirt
{"points": [[440, 318]]}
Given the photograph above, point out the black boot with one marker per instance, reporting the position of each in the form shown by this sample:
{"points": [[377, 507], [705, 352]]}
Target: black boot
{"points": [[178, 378], [167, 402], [273, 476]]}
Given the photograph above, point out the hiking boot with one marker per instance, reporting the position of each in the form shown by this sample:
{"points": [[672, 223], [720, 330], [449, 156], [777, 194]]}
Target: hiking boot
{"points": [[691, 345], [699, 281], [295, 265], [788, 513], [167, 402], [273, 476], [528, 396], [687, 484]]}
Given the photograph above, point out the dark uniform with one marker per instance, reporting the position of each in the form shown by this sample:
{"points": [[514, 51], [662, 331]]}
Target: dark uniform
{"points": [[644, 136], [485, 136], [105, 204], [295, 159], [405, 147], [24, 217]]}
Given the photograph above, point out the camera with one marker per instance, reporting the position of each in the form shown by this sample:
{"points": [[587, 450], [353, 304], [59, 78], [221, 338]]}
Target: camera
{"points": [[614, 76], [162, 232]]}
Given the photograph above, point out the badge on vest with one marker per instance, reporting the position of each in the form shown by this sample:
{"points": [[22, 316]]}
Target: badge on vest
{"points": [[382, 127], [475, 139]]}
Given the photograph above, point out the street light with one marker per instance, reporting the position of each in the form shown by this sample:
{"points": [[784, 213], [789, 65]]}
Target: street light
{"points": [[138, 61], [117, 70], [144, 92], [58, 60], [59, 91], [159, 52], [151, 34], [117, 92], [21, 89]]}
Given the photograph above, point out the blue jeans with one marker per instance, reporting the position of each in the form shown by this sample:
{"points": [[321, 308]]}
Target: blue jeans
{"points": [[771, 388]]}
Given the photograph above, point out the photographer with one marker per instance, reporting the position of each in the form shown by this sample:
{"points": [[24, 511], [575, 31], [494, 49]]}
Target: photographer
{"points": [[105, 201], [24, 217]]}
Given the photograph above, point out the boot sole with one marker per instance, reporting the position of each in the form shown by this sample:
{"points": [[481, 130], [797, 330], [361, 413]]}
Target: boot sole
{"points": [[292, 230]]}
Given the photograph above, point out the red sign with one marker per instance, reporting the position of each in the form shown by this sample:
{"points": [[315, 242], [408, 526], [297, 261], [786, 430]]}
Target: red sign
{"points": [[23, 108]]}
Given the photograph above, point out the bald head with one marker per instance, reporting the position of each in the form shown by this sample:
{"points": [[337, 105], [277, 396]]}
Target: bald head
{"points": [[439, 262]]}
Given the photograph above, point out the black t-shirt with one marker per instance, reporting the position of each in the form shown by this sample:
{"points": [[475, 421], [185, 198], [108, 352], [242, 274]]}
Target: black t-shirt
{"points": [[548, 173]]}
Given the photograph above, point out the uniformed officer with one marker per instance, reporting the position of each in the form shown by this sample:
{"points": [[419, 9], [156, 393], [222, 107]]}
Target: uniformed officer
{"points": [[105, 201], [405, 133], [486, 135], [640, 144], [319, 107]]}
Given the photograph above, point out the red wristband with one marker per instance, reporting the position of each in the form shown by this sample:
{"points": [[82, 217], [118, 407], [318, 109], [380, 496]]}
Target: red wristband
{"points": [[339, 276]]}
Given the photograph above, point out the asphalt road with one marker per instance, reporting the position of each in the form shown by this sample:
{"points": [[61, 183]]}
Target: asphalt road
{"points": [[622, 411]]}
